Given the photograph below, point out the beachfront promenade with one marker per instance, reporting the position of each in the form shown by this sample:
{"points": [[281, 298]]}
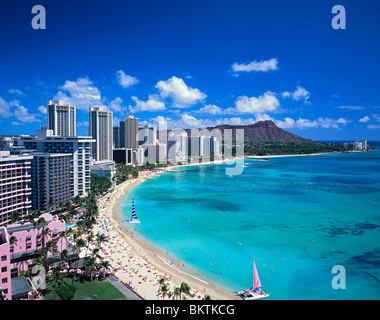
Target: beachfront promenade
{"points": [[129, 293]]}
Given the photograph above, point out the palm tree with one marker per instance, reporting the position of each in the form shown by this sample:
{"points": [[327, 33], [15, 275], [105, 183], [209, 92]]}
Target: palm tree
{"points": [[13, 242], [15, 217], [39, 224], [67, 206], [90, 238], [91, 265], [79, 244], [176, 293], [184, 288], [50, 204], [57, 278], [207, 297], [164, 290], [45, 232], [64, 234], [49, 247], [160, 284], [64, 254], [77, 200], [95, 253], [100, 238], [105, 264]]}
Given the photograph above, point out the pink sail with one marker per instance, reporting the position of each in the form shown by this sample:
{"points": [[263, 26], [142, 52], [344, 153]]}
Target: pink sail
{"points": [[256, 279]]}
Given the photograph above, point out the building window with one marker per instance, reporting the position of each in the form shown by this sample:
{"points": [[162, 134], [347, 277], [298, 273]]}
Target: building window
{"points": [[4, 269], [14, 273], [4, 280], [3, 258]]}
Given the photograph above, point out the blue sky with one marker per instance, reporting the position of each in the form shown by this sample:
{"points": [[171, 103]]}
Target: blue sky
{"points": [[195, 64]]}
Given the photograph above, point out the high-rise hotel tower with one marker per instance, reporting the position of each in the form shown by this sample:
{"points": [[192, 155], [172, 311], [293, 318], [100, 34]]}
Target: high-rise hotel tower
{"points": [[100, 129], [129, 128], [61, 118]]}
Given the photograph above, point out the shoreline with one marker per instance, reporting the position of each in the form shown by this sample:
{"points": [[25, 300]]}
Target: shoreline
{"points": [[156, 261], [149, 259]]}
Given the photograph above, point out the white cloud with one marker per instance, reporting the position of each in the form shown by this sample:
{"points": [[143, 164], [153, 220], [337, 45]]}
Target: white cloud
{"points": [[373, 126], [264, 103], [298, 94], [365, 119], [152, 104], [22, 114], [125, 80], [83, 123], [331, 123], [263, 66], [211, 109], [306, 123], [82, 93], [16, 92], [5, 109], [42, 109], [115, 105], [181, 95], [287, 123], [351, 107]]}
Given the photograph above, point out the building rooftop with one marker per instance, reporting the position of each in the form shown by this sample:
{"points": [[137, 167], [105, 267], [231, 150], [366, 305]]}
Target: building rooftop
{"points": [[20, 286], [11, 157]]}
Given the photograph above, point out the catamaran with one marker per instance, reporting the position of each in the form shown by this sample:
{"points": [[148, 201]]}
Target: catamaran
{"points": [[133, 216], [256, 292]]}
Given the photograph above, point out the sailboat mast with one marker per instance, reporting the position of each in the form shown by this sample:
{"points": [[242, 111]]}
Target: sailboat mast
{"points": [[253, 271]]}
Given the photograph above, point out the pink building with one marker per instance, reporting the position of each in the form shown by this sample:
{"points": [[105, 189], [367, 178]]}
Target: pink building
{"points": [[15, 187], [20, 256]]}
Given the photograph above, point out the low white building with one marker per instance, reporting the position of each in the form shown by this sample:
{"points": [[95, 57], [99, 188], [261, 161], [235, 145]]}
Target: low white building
{"points": [[103, 169]]}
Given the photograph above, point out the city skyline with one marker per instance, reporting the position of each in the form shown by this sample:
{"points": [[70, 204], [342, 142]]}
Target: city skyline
{"points": [[197, 65]]}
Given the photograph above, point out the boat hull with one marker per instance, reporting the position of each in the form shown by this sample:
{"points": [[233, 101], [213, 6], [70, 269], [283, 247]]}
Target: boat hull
{"points": [[252, 295], [132, 221]]}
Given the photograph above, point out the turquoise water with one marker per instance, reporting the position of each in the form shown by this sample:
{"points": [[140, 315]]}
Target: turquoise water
{"points": [[216, 224]]}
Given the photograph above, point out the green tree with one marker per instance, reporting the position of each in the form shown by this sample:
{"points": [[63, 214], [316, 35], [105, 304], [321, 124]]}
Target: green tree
{"points": [[50, 204], [90, 265], [184, 288], [57, 278], [15, 217], [66, 291], [176, 293], [13, 242], [164, 290]]}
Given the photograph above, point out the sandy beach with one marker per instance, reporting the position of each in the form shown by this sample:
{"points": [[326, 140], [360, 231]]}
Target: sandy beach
{"points": [[136, 262]]}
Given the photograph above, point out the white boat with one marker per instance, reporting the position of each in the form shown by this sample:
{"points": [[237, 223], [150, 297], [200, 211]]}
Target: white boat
{"points": [[134, 218], [255, 293]]}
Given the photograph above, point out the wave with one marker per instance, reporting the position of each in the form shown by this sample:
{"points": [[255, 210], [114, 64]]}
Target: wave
{"points": [[171, 264]]}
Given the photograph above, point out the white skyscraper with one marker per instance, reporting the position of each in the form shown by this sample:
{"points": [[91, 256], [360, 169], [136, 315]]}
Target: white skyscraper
{"points": [[129, 132], [148, 135], [61, 118], [100, 128]]}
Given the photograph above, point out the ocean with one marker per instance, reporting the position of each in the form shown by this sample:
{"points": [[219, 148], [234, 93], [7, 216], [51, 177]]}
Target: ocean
{"points": [[298, 217]]}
